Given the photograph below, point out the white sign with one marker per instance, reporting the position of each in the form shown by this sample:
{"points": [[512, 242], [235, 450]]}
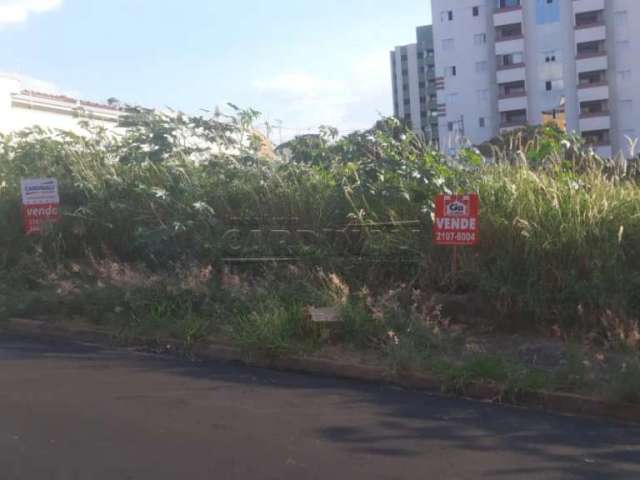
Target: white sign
{"points": [[39, 191], [40, 203]]}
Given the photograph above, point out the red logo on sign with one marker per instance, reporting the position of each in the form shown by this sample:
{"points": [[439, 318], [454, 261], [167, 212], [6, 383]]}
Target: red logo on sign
{"points": [[35, 217], [456, 222]]}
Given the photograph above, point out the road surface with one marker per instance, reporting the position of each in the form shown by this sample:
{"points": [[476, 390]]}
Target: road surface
{"points": [[71, 411]]}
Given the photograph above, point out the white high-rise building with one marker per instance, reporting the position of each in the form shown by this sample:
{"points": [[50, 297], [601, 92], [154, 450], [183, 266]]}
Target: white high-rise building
{"points": [[502, 64]]}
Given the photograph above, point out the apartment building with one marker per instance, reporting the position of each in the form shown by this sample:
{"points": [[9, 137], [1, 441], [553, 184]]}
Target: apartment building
{"points": [[23, 108], [502, 64], [413, 78]]}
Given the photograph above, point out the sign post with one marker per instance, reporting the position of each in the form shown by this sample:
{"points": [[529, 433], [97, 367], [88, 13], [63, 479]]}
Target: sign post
{"points": [[40, 203], [456, 223]]}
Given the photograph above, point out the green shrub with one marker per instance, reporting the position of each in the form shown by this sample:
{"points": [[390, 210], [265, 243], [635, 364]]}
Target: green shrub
{"points": [[560, 228], [626, 383], [273, 329], [359, 327]]}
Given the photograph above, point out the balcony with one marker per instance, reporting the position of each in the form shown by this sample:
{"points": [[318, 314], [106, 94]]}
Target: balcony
{"points": [[512, 31], [505, 15], [507, 5], [510, 66], [597, 138], [592, 79], [582, 6], [600, 141], [593, 93], [592, 64], [594, 108], [596, 122], [512, 89], [591, 34], [591, 49], [514, 94], [594, 18], [510, 104], [511, 75], [510, 61], [510, 39], [513, 119], [583, 86]]}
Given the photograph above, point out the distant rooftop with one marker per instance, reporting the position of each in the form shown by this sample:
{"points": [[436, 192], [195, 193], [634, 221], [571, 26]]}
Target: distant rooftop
{"points": [[69, 100]]}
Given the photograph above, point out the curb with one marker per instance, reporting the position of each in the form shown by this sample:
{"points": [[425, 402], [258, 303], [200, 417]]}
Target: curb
{"points": [[564, 403]]}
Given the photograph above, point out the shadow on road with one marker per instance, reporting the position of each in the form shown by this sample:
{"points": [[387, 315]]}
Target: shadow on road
{"points": [[414, 423]]}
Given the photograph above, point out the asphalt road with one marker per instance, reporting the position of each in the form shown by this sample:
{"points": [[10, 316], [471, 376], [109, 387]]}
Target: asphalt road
{"points": [[70, 411]]}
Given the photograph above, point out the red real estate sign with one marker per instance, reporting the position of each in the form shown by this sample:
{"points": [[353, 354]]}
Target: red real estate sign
{"points": [[40, 203], [456, 222]]}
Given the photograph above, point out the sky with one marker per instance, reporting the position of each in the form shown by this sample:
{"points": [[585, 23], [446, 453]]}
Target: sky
{"points": [[301, 63]]}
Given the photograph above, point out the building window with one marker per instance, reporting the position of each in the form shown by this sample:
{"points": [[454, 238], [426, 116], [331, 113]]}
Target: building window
{"points": [[476, 11], [480, 39], [446, 15], [483, 95], [448, 44], [554, 85], [547, 11], [450, 126], [450, 71], [481, 122], [481, 67]]}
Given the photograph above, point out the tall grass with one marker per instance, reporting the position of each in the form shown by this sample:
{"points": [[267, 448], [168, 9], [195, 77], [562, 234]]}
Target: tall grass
{"points": [[559, 242], [560, 228]]}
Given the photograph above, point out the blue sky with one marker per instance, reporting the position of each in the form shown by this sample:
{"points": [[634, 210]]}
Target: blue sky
{"points": [[302, 62]]}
